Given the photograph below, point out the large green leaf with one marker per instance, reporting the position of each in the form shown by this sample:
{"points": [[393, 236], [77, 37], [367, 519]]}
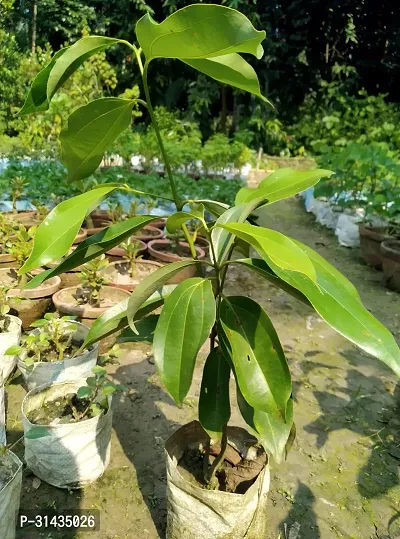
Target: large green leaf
{"points": [[274, 247], [93, 246], [221, 239], [258, 360], [116, 317], [36, 100], [282, 183], [145, 326], [261, 267], [213, 206], [337, 302], [90, 131], [176, 220], [150, 284], [57, 232], [214, 405], [230, 69], [199, 31], [184, 325]]}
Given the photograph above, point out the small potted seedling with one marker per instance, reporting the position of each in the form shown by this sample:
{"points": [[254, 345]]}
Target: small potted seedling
{"points": [[148, 232], [29, 304], [128, 273], [10, 334], [52, 351], [18, 190], [70, 423], [6, 234], [92, 297], [117, 253], [10, 492], [116, 212], [150, 205]]}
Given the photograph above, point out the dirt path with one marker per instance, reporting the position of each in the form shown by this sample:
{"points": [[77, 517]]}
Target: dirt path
{"points": [[341, 478]]}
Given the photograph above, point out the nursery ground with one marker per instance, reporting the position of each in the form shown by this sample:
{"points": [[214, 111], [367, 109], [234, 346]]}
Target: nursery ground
{"points": [[342, 476]]}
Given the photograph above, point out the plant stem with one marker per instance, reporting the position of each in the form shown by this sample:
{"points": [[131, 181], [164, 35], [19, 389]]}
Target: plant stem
{"points": [[220, 459], [190, 241]]}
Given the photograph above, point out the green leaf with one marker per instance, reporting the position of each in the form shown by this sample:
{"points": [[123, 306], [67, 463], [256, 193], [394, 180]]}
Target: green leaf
{"points": [[274, 434], [84, 392], [230, 69], [116, 318], [213, 206], [214, 405], [150, 284], [184, 325], [337, 302], [108, 389], [39, 323], [258, 360], [261, 267], [13, 350], [90, 131], [274, 247], [221, 239], [37, 432], [176, 220], [199, 31], [57, 232], [93, 246], [146, 327], [98, 370], [282, 183], [36, 100], [72, 58]]}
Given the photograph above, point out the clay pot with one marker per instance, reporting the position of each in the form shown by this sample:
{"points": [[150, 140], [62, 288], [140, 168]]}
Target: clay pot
{"points": [[117, 273], [191, 271], [118, 252], [71, 278], [35, 302], [98, 225], [66, 304], [21, 217], [149, 233], [159, 223], [100, 214], [7, 261], [391, 263], [370, 244], [82, 235]]}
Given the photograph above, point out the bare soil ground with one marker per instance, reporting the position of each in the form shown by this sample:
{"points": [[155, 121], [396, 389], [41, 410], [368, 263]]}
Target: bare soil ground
{"points": [[342, 476]]}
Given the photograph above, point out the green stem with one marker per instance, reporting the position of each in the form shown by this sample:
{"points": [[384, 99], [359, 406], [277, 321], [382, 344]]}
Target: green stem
{"points": [[190, 241], [138, 192], [220, 459]]}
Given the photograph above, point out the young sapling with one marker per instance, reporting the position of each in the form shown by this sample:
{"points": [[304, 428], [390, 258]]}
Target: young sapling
{"points": [[131, 249], [17, 185], [93, 281]]}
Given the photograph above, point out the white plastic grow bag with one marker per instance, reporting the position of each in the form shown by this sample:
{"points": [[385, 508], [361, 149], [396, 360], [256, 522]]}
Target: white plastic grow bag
{"points": [[197, 513], [10, 338], [66, 455], [73, 368], [10, 494], [2, 413], [347, 230]]}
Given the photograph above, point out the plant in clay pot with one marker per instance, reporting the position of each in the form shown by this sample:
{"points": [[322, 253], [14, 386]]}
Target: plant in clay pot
{"points": [[116, 212], [92, 280], [6, 233], [10, 334], [206, 460], [53, 351], [10, 492], [135, 208], [69, 422], [17, 190], [29, 304], [132, 269]]}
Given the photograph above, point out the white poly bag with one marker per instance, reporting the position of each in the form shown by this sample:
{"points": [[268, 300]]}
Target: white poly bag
{"points": [[67, 455], [10, 494], [8, 339], [198, 513], [347, 230]]}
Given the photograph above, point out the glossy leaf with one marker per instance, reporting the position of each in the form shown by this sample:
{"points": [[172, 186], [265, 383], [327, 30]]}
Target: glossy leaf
{"points": [[222, 239], [282, 183], [57, 232], [213, 206], [274, 247], [116, 317], [36, 100], [93, 246], [258, 360], [230, 69], [90, 131], [150, 284], [184, 325], [337, 302], [199, 31], [214, 404], [176, 220], [145, 327]]}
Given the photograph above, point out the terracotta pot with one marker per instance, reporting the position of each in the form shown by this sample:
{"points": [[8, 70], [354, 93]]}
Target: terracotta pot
{"points": [[46, 289], [149, 233], [7, 261], [118, 252], [186, 273], [159, 223], [370, 244], [82, 235], [98, 225], [391, 263], [29, 310], [66, 304], [117, 273], [100, 214], [20, 216], [71, 278]]}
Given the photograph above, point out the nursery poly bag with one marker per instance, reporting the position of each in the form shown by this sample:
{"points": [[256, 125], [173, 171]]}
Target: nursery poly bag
{"points": [[347, 230], [10, 338], [66, 455], [197, 513], [10, 493]]}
